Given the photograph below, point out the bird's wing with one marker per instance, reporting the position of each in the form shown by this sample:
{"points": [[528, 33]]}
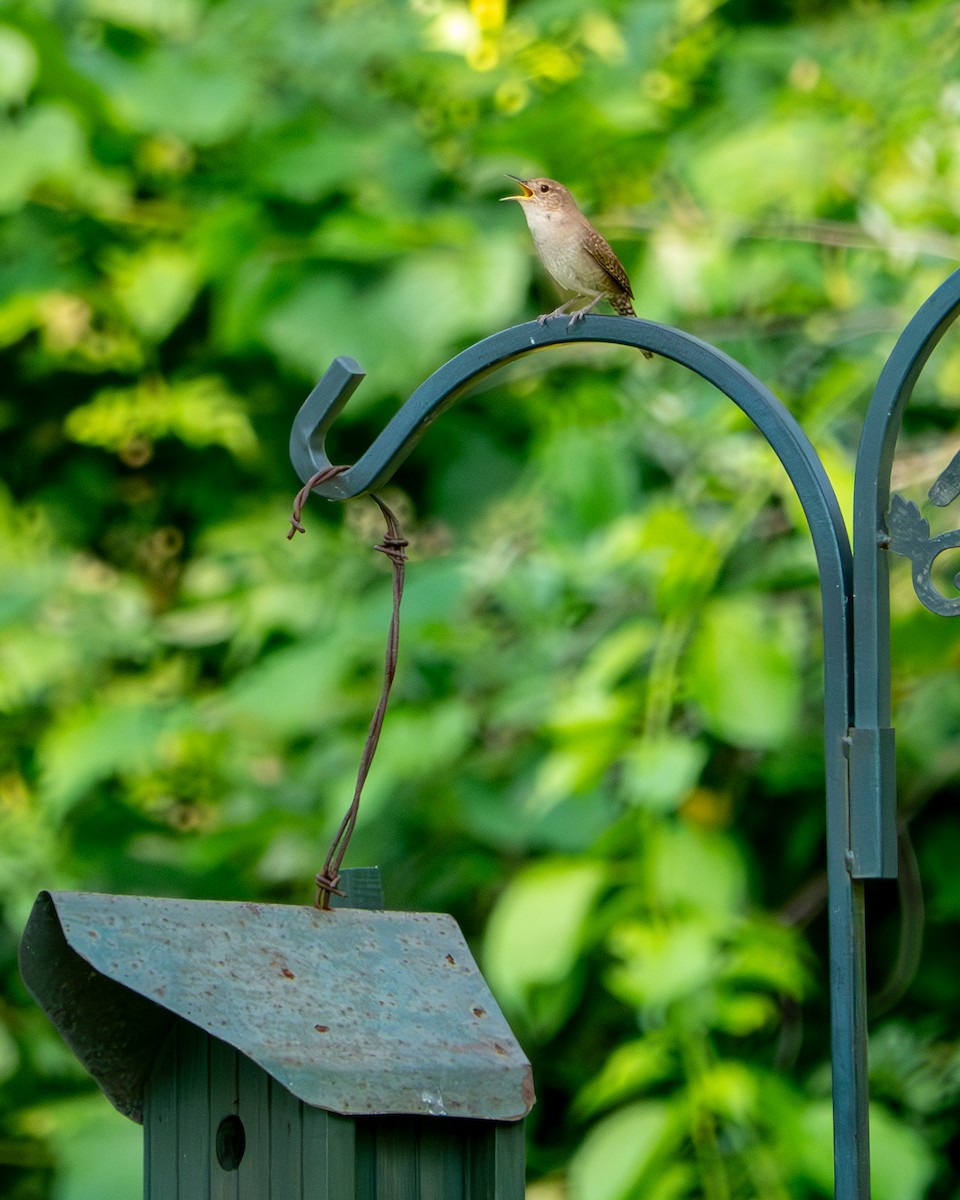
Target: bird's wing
{"points": [[599, 248]]}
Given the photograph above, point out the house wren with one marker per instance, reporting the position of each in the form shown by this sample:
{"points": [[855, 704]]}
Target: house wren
{"points": [[575, 255]]}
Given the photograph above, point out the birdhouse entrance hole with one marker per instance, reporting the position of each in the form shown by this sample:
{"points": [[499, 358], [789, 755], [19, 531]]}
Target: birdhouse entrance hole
{"points": [[231, 1141]]}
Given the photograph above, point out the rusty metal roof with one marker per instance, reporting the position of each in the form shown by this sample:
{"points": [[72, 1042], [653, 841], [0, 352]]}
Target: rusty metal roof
{"points": [[352, 1010]]}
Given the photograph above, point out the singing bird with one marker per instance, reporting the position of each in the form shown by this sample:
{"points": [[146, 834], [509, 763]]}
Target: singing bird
{"points": [[575, 255]]}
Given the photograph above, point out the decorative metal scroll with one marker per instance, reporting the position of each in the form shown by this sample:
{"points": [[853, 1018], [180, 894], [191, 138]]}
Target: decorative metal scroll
{"points": [[908, 533], [859, 739]]}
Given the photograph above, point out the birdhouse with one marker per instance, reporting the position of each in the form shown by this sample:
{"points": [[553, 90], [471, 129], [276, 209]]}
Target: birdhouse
{"points": [[279, 1051]]}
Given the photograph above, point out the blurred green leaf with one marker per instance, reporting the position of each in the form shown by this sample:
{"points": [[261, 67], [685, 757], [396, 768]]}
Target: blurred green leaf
{"points": [[743, 671], [18, 65], [662, 963], [536, 933], [294, 690], [176, 17], [98, 1151], [45, 143], [194, 97], [9, 1054], [758, 171], [630, 1070], [155, 286], [620, 1150], [91, 744], [659, 771], [768, 955], [200, 412], [698, 869]]}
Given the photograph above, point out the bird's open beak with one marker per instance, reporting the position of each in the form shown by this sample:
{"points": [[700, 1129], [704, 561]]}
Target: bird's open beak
{"points": [[527, 191]]}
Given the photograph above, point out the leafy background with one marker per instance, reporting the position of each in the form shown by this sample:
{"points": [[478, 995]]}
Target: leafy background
{"points": [[603, 754]]}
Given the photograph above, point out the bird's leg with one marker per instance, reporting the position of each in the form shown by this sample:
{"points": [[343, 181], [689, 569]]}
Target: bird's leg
{"points": [[582, 312], [557, 312]]}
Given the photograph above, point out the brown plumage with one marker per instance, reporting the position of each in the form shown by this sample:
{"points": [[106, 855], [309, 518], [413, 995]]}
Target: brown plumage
{"points": [[577, 257]]}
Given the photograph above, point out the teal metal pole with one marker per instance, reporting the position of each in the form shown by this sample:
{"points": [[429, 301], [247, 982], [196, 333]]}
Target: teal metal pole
{"points": [[874, 791]]}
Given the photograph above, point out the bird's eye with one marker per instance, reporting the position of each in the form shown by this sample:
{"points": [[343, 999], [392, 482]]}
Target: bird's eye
{"points": [[544, 187]]}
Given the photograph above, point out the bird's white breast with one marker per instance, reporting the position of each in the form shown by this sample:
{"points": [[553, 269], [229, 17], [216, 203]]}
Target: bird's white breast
{"points": [[557, 244]]}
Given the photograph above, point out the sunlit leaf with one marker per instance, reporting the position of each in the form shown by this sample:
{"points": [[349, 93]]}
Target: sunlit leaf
{"points": [[631, 1069], [620, 1150], [98, 1151], [728, 1089], [745, 1014], [769, 955], [663, 962], [155, 286], [659, 772], [203, 102], [90, 745], [176, 17], [46, 143], [698, 869], [292, 691], [18, 65], [200, 412], [535, 935], [743, 671]]}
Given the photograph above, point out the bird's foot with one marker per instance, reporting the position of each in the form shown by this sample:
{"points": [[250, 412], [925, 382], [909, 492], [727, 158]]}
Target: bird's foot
{"points": [[582, 312], [557, 312]]}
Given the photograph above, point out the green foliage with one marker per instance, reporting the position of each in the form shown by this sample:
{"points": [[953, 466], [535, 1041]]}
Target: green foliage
{"points": [[603, 753]]}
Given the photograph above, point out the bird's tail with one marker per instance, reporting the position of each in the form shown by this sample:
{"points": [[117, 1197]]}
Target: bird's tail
{"points": [[623, 306]]}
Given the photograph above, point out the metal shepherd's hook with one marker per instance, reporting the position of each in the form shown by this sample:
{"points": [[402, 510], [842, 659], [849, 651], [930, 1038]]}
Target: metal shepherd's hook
{"points": [[859, 748]]}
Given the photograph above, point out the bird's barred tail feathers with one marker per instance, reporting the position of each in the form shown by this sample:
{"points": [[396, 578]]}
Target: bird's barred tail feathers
{"points": [[623, 306]]}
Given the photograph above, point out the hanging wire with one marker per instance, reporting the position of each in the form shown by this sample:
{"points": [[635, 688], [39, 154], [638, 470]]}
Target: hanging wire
{"points": [[394, 546]]}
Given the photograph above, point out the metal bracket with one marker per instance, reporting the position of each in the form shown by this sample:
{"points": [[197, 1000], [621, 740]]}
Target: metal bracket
{"points": [[873, 803]]}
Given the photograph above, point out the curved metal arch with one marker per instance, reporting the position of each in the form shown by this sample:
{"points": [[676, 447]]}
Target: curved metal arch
{"points": [[457, 376], [881, 524], [816, 494]]}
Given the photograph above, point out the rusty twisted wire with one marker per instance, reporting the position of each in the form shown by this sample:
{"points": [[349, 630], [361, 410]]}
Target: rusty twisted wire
{"points": [[394, 546]]}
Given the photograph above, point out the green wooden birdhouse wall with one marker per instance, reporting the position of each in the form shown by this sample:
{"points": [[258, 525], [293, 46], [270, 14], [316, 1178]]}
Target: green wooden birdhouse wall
{"points": [[274, 1052]]}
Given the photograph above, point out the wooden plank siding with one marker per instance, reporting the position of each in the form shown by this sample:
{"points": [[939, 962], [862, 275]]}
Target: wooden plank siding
{"points": [[329, 1155], [293, 1151], [160, 1151], [224, 1103]]}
